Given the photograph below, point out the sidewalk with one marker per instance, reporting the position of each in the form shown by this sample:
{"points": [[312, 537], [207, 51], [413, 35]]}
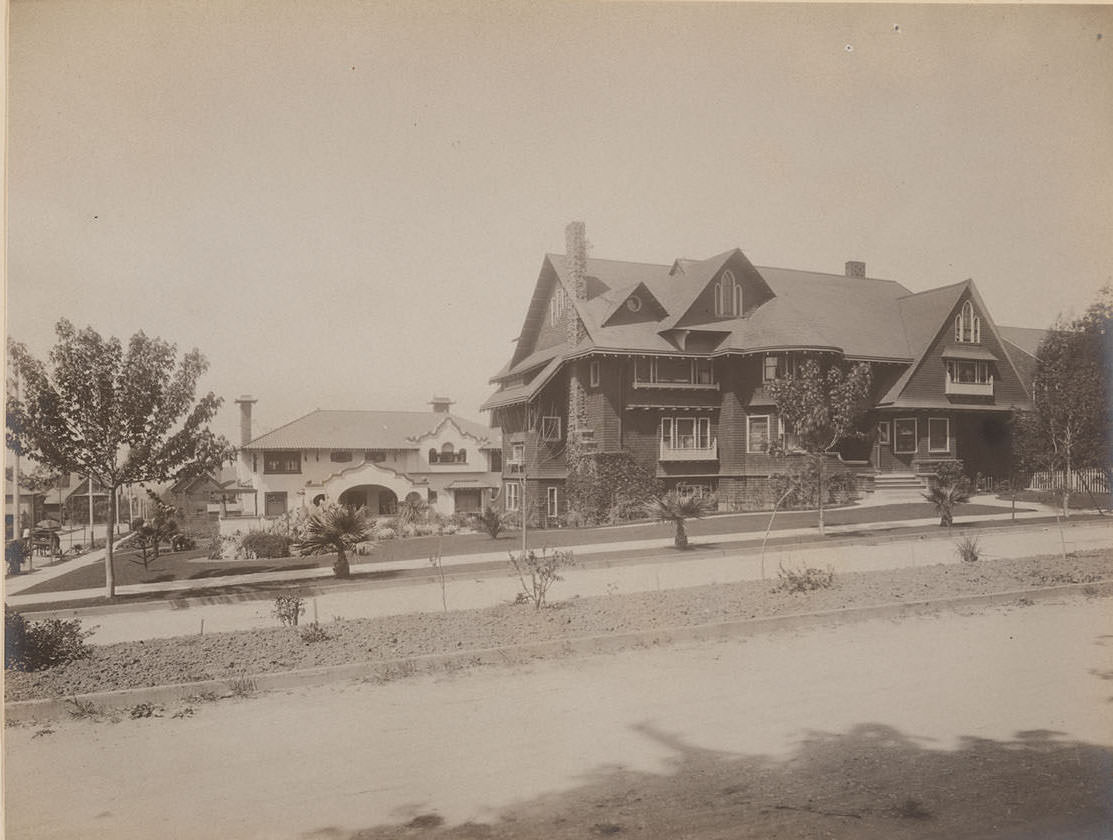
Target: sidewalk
{"points": [[669, 571], [739, 540]]}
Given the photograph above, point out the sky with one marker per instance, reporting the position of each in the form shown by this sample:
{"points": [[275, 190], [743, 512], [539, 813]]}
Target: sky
{"points": [[346, 205]]}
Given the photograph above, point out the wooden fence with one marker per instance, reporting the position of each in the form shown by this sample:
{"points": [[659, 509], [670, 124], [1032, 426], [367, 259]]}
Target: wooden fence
{"points": [[1093, 480]]}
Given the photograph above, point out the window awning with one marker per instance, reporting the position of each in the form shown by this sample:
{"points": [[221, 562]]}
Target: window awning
{"points": [[974, 351]]}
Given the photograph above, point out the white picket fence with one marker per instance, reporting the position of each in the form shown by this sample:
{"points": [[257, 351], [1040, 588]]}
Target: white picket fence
{"points": [[1091, 479]]}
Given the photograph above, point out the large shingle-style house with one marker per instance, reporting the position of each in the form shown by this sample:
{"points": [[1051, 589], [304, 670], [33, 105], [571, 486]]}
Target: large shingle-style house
{"points": [[668, 362], [370, 459]]}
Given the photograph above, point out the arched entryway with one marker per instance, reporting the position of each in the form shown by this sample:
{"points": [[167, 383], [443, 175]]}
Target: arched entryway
{"points": [[378, 500]]}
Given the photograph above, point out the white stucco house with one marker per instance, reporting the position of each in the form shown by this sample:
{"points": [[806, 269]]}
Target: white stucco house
{"points": [[368, 459]]}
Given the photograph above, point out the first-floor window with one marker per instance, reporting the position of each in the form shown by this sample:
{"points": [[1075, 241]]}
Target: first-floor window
{"points": [[904, 434], [697, 491], [686, 432], [757, 434], [432, 497], [939, 434], [275, 504], [883, 432], [553, 502], [513, 495]]}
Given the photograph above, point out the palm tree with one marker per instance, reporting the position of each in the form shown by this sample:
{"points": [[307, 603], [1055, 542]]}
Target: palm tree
{"points": [[335, 528], [672, 507], [945, 495]]}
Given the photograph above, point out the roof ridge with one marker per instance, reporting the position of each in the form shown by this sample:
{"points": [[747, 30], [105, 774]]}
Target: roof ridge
{"points": [[609, 259], [936, 289], [830, 274]]}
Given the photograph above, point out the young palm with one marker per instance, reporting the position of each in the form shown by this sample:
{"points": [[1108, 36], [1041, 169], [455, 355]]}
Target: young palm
{"points": [[675, 508], [945, 495], [336, 528]]}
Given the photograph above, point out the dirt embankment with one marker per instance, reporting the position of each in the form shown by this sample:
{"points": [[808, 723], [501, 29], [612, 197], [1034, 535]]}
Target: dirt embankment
{"points": [[230, 655]]}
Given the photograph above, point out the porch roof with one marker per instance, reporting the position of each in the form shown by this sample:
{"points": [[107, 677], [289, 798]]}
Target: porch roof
{"points": [[973, 351]]}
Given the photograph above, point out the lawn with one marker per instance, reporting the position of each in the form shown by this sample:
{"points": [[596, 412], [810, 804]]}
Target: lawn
{"points": [[195, 565]]}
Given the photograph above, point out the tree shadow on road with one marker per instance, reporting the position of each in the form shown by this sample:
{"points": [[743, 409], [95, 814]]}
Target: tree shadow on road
{"points": [[871, 783]]}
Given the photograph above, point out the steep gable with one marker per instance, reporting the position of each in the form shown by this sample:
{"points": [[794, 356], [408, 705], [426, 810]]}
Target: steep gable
{"points": [[923, 383], [539, 332], [638, 306]]}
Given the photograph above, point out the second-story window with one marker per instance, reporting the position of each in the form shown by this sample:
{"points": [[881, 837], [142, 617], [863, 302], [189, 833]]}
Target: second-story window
{"points": [[593, 374], [550, 428], [669, 370], [778, 367], [518, 453], [278, 462], [968, 326], [340, 456]]}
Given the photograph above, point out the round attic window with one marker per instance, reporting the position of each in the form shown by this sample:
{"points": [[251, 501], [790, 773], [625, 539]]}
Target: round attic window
{"points": [[634, 303]]}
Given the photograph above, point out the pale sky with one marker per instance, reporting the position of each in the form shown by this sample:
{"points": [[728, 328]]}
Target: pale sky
{"points": [[346, 205]]}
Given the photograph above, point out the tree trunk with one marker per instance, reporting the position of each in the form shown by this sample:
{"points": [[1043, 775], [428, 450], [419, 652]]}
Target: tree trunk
{"points": [[109, 570], [341, 568], [681, 538], [821, 492], [1066, 500]]}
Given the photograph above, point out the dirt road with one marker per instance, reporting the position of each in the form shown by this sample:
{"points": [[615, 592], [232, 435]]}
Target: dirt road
{"points": [[987, 725]]}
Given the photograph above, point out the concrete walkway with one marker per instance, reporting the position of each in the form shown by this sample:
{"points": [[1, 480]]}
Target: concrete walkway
{"points": [[17, 585], [670, 571]]}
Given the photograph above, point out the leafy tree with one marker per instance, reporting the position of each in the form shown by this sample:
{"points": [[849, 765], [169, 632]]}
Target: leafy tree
{"points": [[674, 508], [822, 408], [121, 415], [334, 528], [1068, 427]]}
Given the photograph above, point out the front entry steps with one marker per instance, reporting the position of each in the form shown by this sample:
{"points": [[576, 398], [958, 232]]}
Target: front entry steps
{"points": [[897, 488]]}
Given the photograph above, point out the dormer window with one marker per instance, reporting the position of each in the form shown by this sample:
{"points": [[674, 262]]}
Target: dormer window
{"points": [[556, 306], [968, 326], [728, 296]]}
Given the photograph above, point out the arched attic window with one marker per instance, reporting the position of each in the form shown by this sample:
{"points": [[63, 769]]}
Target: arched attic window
{"points": [[728, 296], [968, 326]]}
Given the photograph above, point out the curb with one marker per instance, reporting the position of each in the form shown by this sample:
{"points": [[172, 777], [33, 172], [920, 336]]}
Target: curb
{"points": [[384, 670]]}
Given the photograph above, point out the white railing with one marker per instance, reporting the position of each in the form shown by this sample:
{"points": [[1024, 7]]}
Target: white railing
{"points": [[969, 389], [515, 467], [690, 453], [1091, 479]]}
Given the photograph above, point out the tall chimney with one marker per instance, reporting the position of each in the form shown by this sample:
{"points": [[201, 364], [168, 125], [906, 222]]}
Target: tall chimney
{"points": [[245, 402], [575, 255], [441, 405], [575, 251], [855, 269]]}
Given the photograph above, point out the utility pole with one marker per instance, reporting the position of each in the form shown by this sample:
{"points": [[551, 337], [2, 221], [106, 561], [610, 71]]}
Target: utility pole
{"points": [[17, 524], [522, 505]]}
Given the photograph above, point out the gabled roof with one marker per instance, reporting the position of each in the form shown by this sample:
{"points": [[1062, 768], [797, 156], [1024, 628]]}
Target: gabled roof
{"points": [[859, 317], [1025, 339], [366, 430]]}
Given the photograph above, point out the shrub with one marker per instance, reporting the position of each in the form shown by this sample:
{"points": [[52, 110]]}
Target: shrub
{"points": [[969, 549], [287, 608], [314, 633], [543, 570], [263, 545], [610, 487], [384, 533], [490, 521], [182, 542], [804, 580], [42, 644]]}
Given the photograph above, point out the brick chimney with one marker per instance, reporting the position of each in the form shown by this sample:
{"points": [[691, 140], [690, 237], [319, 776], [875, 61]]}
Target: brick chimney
{"points": [[245, 402], [441, 405], [855, 269]]}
